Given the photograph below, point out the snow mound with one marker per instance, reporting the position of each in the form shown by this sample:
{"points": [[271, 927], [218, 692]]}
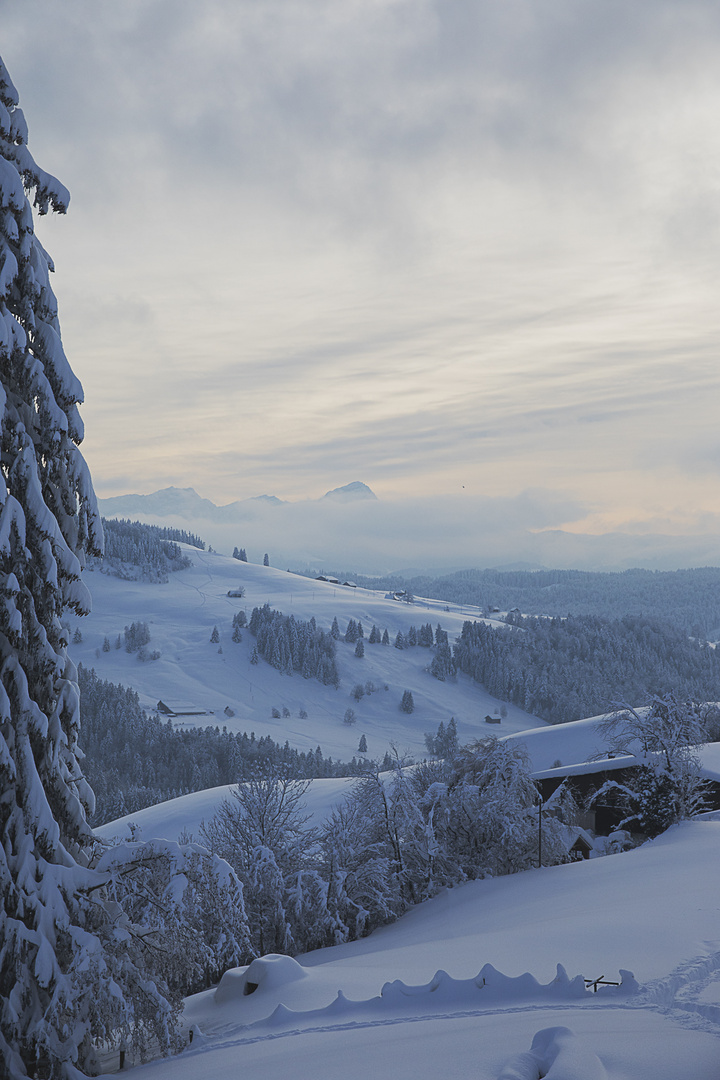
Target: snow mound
{"points": [[556, 1053], [270, 972]]}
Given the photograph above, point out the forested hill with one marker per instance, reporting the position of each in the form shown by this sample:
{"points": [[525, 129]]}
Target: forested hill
{"points": [[689, 599], [133, 759], [136, 551], [564, 669]]}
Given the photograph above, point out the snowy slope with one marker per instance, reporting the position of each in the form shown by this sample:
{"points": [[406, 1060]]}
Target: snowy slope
{"points": [[182, 613], [653, 911], [169, 820]]}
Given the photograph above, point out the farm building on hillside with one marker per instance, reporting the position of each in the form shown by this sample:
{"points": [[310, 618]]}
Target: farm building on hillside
{"points": [[174, 708]]}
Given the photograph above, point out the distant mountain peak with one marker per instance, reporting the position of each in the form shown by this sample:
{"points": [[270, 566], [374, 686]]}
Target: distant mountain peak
{"points": [[350, 492]]}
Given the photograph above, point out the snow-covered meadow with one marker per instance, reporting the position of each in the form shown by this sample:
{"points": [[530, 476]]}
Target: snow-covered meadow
{"points": [[443, 992], [182, 613]]}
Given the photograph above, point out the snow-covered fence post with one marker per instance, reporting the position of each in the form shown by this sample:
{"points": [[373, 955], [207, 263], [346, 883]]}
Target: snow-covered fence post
{"points": [[540, 810]]}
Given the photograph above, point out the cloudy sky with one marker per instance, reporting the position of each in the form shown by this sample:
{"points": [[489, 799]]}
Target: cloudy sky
{"points": [[458, 248]]}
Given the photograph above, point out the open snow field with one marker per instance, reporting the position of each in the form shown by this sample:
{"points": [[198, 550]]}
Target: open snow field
{"points": [[654, 911], [182, 613]]}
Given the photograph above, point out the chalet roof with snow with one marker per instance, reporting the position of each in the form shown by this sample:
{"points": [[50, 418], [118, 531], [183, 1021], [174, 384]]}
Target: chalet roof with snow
{"points": [[176, 708]]}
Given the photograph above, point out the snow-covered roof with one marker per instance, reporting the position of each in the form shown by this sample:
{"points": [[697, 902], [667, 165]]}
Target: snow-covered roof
{"points": [[585, 768], [570, 744], [176, 708], [709, 755]]}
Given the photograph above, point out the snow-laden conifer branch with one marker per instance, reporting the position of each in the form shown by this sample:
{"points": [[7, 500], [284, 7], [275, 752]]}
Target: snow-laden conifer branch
{"points": [[95, 946]]}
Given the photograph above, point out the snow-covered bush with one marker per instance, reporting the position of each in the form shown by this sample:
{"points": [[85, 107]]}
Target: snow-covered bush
{"points": [[262, 832], [667, 786]]}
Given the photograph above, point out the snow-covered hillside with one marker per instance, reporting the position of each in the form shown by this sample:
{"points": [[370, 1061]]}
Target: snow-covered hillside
{"points": [[214, 677], [170, 820], [653, 911]]}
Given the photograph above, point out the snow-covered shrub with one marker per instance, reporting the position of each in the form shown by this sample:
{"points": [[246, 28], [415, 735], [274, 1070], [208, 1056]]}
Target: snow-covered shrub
{"points": [[262, 832], [667, 786]]}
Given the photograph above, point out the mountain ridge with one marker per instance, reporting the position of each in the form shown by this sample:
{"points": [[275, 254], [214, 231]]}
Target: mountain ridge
{"points": [[188, 504]]}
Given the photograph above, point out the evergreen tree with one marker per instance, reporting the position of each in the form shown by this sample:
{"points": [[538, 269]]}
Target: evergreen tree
{"points": [[444, 744], [407, 705], [450, 748], [70, 961], [434, 742], [215, 636], [48, 519], [335, 630], [266, 559], [385, 638], [362, 747], [443, 665], [360, 648], [136, 636]]}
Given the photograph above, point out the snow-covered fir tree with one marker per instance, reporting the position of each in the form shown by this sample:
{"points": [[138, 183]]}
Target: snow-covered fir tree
{"points": [[407, 704], [48, 520], [73, 963]]}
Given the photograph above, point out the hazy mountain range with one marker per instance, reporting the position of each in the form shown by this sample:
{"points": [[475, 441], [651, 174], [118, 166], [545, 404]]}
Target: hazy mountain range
{"points": [[349, 529], [185, 503]]}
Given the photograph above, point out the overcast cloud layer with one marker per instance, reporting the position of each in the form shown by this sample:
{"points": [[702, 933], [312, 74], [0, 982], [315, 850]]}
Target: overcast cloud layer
{"points": [[447, 248]]}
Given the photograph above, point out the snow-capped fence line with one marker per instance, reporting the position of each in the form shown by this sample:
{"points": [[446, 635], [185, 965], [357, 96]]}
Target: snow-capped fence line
{"points": [[490, 988], [494, 985]]}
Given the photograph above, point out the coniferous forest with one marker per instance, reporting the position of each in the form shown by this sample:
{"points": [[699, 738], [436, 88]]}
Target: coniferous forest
{"points": [[148, 552], [688, 599], [565, 669]]}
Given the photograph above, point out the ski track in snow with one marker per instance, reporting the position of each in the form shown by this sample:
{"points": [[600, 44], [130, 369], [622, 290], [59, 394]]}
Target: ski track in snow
{"points": [[228, 1039], [197, 588], [678, 994]]}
